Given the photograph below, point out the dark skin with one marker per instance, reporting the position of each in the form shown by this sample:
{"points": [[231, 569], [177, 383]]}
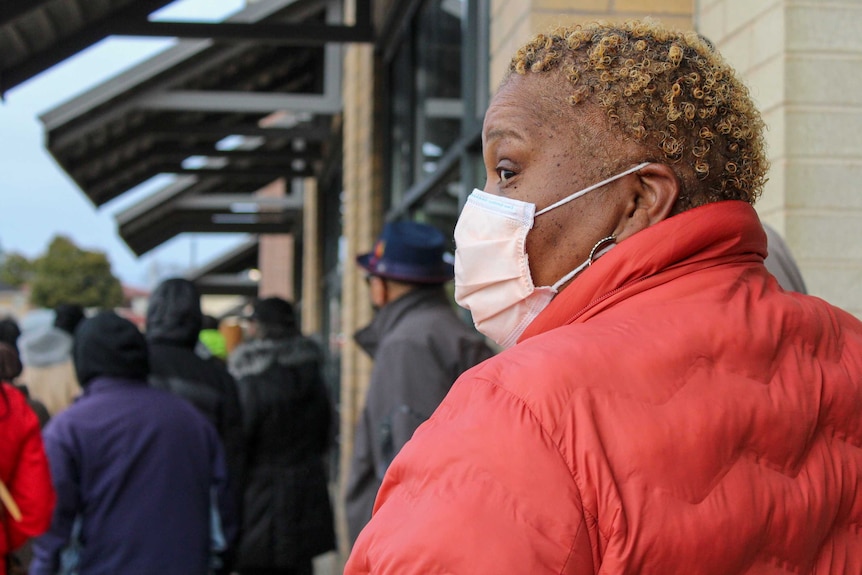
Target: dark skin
{"points": [[384, 291], [539, 149]]}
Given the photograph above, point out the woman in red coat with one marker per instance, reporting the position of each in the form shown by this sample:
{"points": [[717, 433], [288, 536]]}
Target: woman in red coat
{"points": [[23, 465]]}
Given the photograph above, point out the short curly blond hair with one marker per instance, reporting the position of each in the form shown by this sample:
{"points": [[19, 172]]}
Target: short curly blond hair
{"points": [[668, 91]]}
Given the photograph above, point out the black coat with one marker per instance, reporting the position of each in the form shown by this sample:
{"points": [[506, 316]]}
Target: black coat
{"points": [[287, 415]]}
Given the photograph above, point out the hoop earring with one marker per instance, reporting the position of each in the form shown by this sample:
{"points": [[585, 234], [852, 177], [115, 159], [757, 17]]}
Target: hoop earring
{"points": [[601, 243]]}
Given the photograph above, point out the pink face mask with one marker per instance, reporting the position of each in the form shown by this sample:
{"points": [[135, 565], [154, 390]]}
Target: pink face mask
{"points": [[492, 274]]}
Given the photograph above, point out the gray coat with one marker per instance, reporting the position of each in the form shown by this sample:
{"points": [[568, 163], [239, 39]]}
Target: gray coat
{"points": [[420, 347]]}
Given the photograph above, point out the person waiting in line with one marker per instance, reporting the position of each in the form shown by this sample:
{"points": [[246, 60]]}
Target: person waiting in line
{"points": [[68, 316], [212, 344], [781, 263], [46, 352], [419, 346], [173, 325], [662, 405], [9, 334], [287, 413], [27, 497], [140, 474]]}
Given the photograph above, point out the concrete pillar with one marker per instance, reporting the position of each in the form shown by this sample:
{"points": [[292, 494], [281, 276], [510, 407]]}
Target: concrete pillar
{"points": [[312, 279], [275, 254], [362, 217]]}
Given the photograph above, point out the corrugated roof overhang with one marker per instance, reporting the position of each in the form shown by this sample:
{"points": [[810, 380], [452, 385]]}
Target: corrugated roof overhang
{"points": [[184, 102], [226, 117], [38, 34], [192, 204]]}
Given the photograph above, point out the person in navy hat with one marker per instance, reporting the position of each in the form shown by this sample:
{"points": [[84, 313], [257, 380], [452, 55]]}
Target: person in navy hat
{"points": [[419, 346]]}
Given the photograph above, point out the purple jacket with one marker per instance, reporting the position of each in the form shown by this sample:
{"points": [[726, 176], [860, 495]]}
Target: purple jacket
{"points": [[138, 468]]}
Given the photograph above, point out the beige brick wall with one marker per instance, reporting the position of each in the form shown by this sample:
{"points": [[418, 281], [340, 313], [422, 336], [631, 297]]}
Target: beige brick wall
{"points": [[803, 63], [275, 254], [362, 217]]}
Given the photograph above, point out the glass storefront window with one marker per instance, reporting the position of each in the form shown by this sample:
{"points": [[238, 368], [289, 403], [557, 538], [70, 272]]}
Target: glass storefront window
{"points": [[425, 94]]}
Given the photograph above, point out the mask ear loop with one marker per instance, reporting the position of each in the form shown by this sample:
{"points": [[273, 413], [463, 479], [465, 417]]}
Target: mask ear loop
{"points": [[602, 242], [586, 264]]}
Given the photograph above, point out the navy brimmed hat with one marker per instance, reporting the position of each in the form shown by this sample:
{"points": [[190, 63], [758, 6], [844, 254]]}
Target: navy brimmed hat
{"points": [[410, 252]]}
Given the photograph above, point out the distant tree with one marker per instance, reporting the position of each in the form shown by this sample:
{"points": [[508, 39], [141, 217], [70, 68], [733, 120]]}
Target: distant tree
{"points": [[15, 269], [68, 274]]}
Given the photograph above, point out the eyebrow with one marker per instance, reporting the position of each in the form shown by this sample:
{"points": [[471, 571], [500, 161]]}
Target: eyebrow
{"points": [[500, 133]]}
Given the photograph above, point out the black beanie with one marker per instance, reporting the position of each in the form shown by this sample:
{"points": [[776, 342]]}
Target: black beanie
{"points": [[69, 317], [274, 311], [108, 345]]}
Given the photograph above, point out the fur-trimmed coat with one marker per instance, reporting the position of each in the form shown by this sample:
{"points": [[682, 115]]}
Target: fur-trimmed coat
{"points": [[287, 418]]}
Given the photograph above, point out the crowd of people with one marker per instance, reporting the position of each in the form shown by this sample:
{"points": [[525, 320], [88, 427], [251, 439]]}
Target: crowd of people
{"points": [[154, 451], [646, 387]]}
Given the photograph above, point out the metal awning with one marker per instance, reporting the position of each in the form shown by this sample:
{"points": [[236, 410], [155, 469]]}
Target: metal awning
{"points": [[249, 101], [176, 112], [38, 34], [192, 204], [228, 273]]}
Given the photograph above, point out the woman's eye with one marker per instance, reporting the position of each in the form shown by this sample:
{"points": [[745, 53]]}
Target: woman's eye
{"points": [[505, 175]]}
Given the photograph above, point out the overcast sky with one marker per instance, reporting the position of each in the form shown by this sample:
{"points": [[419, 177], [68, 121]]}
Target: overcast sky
{"points": [[38, 200]]}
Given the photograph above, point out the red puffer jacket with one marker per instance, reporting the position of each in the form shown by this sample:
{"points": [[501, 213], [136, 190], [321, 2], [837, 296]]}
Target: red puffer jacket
{"points": [[672, 411], [24, 470]]}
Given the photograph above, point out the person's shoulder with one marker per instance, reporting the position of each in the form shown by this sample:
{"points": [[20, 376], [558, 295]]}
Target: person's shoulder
{"points": [[251, 358], [16, 397], [18, 411]]}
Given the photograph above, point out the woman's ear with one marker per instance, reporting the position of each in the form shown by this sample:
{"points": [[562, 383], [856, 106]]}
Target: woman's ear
{"points": [[649, 199], [659, 191]]}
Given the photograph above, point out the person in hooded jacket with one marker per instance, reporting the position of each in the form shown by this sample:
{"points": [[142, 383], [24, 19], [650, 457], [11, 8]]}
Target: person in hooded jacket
{"points": [[288, 421], [9, 334], [173, 323], [140, 474], [46, 352]]}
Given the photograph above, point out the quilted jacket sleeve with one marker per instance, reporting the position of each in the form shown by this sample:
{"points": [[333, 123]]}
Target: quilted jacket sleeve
{"points": [[480, 488]]}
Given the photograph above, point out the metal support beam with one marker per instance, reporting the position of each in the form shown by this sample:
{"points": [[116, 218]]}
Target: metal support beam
{"points": [[240, 102], [299, 34], [165, 128], [446, 163], [313, 133], [239, 203], [256, 172], [218, 284], [172, 152]]}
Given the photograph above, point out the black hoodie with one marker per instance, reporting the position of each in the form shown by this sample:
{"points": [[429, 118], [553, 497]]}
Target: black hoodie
{"points": [[173, 323]]}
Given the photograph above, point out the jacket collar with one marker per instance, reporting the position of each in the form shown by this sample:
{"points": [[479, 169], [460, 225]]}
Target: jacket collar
{"points": [[106, 382], [717, 233], [391, 314]]}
